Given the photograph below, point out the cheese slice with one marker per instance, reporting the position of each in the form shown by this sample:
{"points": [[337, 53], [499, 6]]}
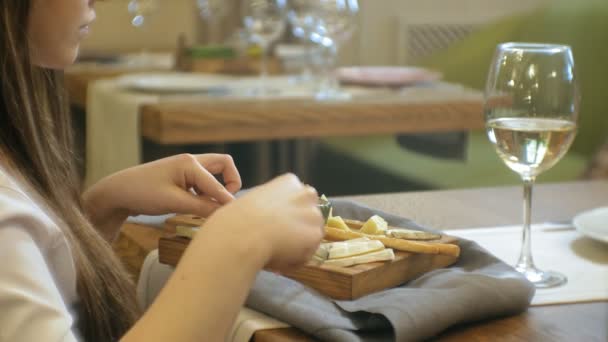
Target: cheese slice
{"points": [[375, 225], [361, 239], [382, 255], [351, 248], [337, 222], [187, 232], [322, 252]]}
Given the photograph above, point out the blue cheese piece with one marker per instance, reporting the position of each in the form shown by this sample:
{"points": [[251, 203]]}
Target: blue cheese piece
{"points": [[322, 252]]}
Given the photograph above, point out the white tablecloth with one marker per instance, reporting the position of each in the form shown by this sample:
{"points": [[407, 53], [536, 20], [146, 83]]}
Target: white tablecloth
{"points": [[112, 134], [554, 247]]}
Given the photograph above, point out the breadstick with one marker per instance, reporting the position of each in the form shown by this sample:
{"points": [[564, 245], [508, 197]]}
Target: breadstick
{"points": [[398, 244]]}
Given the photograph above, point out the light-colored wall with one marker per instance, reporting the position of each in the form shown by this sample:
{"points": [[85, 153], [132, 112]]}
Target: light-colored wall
{"points": [[112, 32], [374, 42]]}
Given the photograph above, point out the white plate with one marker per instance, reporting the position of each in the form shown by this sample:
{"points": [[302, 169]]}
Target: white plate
{"points": [[593, 223], [175, 82]]}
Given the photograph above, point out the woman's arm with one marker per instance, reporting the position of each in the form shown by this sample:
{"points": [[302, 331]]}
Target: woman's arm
{"points": [[276, 225], [203, 296], [180, 184], [103, 216]]}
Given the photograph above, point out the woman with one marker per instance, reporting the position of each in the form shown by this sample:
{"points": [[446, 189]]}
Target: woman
{"points": [[59, 280]]}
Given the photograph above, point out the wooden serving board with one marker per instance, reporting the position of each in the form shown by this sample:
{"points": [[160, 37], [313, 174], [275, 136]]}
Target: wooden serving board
{"points": [[344, 283]]}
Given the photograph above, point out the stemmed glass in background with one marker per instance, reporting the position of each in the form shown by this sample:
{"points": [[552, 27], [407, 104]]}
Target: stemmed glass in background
{"points": [[214, 9], [140, 11], [213, 12], [264, 22], [335, 24], [302, 17], [531, 112]]}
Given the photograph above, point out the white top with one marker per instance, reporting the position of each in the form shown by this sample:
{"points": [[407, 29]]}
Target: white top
{"points": [[37, 272]]}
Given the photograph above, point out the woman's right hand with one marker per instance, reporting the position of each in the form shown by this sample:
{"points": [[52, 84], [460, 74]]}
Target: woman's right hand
{"points": [[280, 216], [276, 225]]}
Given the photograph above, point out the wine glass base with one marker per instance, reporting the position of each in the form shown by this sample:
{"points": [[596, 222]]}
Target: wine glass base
{"points": [[333, 96], [261, 92], [543, 279], [302, 78]]}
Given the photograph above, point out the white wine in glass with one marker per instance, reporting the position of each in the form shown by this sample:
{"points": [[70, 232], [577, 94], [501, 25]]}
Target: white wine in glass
{"points": [[530, 146], [531, 112]]}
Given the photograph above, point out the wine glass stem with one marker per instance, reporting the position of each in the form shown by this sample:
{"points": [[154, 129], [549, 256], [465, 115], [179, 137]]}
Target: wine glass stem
{"points": [[525, 257], [307, 72], [264, 68], [330, 84]]}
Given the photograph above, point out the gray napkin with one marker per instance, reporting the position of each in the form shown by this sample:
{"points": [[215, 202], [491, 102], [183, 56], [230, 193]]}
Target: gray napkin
{"points": [[478, 286]]}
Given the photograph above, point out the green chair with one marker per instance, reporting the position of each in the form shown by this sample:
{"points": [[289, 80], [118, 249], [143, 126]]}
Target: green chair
{"points": [[581, 24]]}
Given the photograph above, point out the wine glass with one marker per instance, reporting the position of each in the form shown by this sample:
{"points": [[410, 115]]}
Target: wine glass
{"points": [[334, 25], [264, 22], [302, 18], [214, 9], [531, 111], [140, 11]]}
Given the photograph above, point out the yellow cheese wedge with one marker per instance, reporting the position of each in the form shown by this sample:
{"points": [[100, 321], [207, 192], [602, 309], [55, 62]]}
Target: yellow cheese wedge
{"points": [[336, 222], [382, 255], [375, 225]]}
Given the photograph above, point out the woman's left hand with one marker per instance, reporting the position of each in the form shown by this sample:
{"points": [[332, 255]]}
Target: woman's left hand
{"points": [[183, 183]]}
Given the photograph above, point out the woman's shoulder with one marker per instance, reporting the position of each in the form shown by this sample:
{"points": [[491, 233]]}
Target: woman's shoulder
{"points": [[23, 222], [18, 210]]}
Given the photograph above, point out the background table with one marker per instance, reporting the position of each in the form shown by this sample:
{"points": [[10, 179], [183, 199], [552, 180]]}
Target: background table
{"points": [[207, 119], [418, 109], [165, 120], [466, 209]]}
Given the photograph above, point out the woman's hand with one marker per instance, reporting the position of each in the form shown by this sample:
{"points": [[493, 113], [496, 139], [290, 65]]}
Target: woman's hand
{"points": [[276, 225], [180, 184], [280, 217]]}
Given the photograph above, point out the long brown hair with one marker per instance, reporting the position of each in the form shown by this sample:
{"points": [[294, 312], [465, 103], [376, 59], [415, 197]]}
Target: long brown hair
{"points": [[36, 138]]}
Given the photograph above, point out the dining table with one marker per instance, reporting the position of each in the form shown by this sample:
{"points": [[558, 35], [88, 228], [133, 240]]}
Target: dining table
{"points": [[473, 209], [206, 119], [386, 111], [201, 119], [168, 119]]}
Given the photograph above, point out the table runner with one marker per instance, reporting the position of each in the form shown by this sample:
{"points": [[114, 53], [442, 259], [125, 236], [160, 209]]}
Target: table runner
{"points": [[557, 247]]}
